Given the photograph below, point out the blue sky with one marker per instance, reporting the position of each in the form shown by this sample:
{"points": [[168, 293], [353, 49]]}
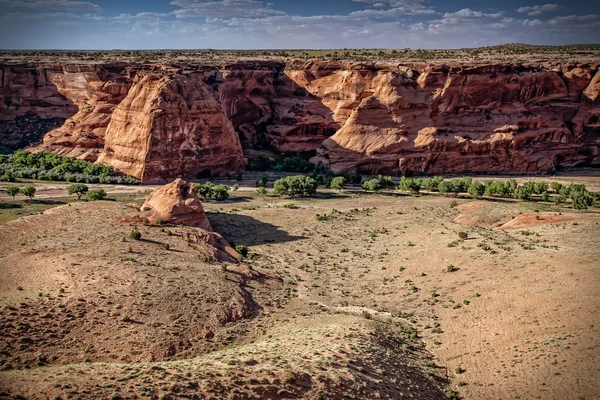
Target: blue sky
{"points": [[257, 24]]}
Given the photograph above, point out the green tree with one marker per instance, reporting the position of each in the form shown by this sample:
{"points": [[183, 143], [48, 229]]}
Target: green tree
{"points": [[476, 190], [556, 187], [79, 189], [13, 191], [338, 183], [409, 185], [297, 185], [372, 185], [219, 192], [545, 196], [28, 191], [96, 194], [203, 190], [385, 181], [580, 197]]}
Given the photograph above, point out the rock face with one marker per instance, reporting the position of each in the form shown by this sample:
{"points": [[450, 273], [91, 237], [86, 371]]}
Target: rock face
{"points": [[441, 119], [178, 204], [160, 122], [170, 126]]}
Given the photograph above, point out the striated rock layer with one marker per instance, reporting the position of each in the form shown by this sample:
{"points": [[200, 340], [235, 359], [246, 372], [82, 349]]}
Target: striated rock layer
{"points": [[160, 122]]}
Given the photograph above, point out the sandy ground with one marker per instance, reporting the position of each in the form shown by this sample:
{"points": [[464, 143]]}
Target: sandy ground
{"points": [[505, 313]]}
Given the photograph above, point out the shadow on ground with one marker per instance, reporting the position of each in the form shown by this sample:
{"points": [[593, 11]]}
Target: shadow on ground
{"points": [[248, 231]]}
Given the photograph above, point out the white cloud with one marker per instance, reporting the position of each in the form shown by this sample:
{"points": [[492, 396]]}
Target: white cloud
{"points": [[538, 10], [222, 8], [66, 5], [397, 8], [244, 24]]}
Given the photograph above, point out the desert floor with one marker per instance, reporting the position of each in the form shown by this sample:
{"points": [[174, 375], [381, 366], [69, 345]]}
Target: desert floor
{"points": [[347, 293]]}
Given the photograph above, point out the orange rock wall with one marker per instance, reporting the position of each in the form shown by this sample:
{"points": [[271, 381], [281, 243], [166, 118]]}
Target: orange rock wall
{"points": [[160, 122]]}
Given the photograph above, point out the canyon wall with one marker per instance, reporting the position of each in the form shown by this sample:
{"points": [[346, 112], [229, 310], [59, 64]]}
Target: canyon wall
{"points": [[158, 122]]}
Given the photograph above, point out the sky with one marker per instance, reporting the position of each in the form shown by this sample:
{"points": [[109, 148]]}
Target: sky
{"points": [[293, 24]]}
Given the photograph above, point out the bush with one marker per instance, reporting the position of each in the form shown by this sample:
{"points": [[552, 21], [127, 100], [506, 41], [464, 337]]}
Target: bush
{"points": [[212, 191], [79, 189], [243, 250], [135, 235], [28, 191], [409, 185], [476, 190], [339, 183], [96, 194], [556, 187], [13, 191], [545, 196], [580, 197], [261, 191], [297, 185], [235, 187], [386, 181], [203, 190], [220, 192], [262, 182], [372, 185], [523, 192], [463, 235], [355, 179]]}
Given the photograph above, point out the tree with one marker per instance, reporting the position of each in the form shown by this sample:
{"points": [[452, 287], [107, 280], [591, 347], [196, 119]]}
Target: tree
{"points": [[28, 191], [476, 190], [79, 189], [219, 192], [372, 185], [13, 191], [204, 190], [409, 185], [339, 183], [580, 197], [262, 182], [444, 187], [523, 192], [96, 194], [8, 176], [297, 185], [556, 187], [385, 181]]}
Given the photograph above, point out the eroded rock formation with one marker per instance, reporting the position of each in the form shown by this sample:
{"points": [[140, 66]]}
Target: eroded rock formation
{"points": [[178, 204], [161, 122]]}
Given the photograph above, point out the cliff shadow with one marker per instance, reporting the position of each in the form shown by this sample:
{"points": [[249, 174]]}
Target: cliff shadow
{"points": [[28, 115], [248, 231], [294, 108]]}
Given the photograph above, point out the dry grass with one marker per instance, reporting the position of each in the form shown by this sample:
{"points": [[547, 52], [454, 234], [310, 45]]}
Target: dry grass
{"points": [[360, 304]]}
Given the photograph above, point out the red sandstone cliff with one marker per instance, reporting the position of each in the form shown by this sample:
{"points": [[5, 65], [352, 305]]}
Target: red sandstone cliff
{"points": [[160, 122]]}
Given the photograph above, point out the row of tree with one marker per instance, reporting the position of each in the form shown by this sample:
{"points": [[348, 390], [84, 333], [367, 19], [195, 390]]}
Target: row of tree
{"points": [[51, 167]]}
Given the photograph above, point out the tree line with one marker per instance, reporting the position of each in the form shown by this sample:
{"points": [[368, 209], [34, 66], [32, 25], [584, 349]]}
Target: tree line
{"points": [[48, 166]]}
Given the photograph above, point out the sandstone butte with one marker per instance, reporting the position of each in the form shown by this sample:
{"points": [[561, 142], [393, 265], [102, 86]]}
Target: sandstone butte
{"points": [[158, 122], [178, 204]]}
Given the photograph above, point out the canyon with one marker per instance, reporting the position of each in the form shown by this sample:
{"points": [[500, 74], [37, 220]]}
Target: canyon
{"points": [[162, 121]]}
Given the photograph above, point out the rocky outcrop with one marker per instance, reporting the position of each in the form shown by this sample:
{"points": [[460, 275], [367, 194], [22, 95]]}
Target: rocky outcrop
{"points": [[160, 122], [170, 125], [178, 204]]}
